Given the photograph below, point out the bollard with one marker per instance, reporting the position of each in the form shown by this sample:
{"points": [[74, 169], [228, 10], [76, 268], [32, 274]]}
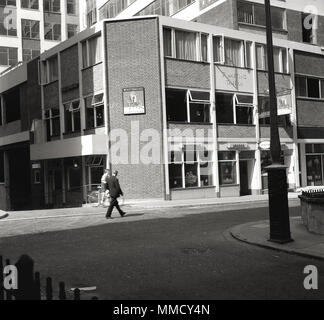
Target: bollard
{"points": [[25, 267], [49, 289], [77, 294], [37, 287], [62, 295]]}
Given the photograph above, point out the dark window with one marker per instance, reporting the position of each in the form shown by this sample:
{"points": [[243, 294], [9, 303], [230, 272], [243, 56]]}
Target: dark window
{"points": [[313, 88], [12, 102], [199, 112], [308, 21], [175, 172], [224, 108], [95, 115], [176, 101], [301, 86]]}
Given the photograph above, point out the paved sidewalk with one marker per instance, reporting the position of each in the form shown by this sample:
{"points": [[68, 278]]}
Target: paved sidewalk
{"points": [[305, 243], [133, 206]]}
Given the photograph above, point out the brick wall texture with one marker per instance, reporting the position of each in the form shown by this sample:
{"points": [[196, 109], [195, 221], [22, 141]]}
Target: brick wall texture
{"points": [[70, 73], [134, 61], [92, 79], [307, 63], [310, 113], [51, 95], [30, 97], [187, 73], [236, 131]]}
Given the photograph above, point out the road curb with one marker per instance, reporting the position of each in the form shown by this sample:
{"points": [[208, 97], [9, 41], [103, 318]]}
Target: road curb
{"points": [[236, 234]]}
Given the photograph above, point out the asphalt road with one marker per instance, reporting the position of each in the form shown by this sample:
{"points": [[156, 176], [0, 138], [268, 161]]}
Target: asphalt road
{"points": [[188, 257]]}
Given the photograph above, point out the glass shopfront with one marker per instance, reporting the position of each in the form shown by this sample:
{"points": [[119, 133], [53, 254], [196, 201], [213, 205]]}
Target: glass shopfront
{"points": [[315, 164]]}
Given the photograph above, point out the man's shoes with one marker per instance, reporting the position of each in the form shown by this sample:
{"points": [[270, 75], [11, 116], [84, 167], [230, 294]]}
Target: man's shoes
{"points": [[123, 214], [109, 218]]}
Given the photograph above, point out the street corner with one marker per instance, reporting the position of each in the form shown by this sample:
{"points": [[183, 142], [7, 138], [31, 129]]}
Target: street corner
{"points": [[304, 244]]}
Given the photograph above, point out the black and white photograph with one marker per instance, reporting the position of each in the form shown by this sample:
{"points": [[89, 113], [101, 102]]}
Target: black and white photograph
{"points": [[161, 155]]}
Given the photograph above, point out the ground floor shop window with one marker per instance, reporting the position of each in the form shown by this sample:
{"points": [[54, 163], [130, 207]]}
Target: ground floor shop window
{"points": [[191, 166], [95, 167], [227, 168], [266, 161], [315, 164], [74, 174], [188, 106]]}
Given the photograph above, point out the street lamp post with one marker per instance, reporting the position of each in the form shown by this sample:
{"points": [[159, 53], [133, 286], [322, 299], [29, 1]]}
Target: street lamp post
{"points": [[277, 176]]}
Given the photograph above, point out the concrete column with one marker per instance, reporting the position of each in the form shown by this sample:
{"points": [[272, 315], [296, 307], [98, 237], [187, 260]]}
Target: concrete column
{"points": [[303, 164], [165, 146], [214, 115]]}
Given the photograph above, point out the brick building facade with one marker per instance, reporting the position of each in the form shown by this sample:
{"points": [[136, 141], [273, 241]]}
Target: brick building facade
{"points": [[197, 94]]}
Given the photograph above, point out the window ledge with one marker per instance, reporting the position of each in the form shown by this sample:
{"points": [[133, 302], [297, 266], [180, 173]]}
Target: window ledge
{"points": [[193, 188], [190, 123], [67, 135], [257, 26], [89, 67], [185, 60], [47, 84], [229, 66], [279, 73], [236, 125], [229, 185], [310, 99]]}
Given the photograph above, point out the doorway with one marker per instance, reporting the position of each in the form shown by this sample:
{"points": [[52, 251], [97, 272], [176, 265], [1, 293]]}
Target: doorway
{"points": [[244, 178]]}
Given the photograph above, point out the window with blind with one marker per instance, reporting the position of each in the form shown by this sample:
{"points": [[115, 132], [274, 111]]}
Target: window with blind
{"points": [[232, 52], [280, 58], [91, 52], [185, 45]]}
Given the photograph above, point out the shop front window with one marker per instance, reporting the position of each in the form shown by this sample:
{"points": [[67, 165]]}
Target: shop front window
{"points": [[227, 168], [315, 164], [191, 167], [95, 169]]}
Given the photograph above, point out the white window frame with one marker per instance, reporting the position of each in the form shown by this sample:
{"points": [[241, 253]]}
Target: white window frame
{"points": [[265, 54], [181, 148], [94, 106], [72, 111], [222, 53], [51, 117], [198, 43]]}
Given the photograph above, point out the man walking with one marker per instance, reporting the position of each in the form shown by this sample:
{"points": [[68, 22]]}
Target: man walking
{"points": [[115, 192]]}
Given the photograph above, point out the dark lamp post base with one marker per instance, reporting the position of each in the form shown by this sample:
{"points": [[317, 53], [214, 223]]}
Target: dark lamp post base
{"points": [[278, 204]]}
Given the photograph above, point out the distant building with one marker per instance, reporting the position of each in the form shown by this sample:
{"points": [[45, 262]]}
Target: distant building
{"points": [[29, 27]]}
